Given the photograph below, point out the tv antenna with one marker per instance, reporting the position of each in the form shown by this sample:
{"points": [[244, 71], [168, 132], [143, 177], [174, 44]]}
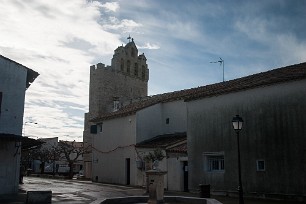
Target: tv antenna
{"points": [[221, 61]]}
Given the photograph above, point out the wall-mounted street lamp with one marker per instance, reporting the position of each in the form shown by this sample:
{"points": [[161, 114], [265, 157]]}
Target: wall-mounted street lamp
{"points": [[237, 125]]}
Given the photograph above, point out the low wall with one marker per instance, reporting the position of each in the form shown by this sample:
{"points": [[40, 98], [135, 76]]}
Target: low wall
{"points": [[172, 199]]}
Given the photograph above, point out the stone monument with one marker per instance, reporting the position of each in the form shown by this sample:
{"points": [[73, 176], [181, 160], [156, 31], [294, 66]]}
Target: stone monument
{"points": [[156, 184]]}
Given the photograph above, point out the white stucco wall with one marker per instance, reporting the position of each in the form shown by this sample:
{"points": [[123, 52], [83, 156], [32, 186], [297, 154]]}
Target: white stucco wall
{"points": [[12, 87], [109, 159], [9, 168], [273, 131], [175, 175], [111, 148], [151, 121]]}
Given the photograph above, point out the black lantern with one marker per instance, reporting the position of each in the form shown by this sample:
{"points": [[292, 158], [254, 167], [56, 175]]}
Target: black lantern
{"points": [[237, 123]]}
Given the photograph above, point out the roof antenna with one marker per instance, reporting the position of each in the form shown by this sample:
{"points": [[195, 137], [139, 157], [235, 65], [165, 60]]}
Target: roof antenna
{"points": [[221, 61]]}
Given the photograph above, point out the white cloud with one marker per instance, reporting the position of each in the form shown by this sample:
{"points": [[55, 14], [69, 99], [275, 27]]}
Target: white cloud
{"points": [[44, 36], [123, 26], [111, 6], [149, 46]]}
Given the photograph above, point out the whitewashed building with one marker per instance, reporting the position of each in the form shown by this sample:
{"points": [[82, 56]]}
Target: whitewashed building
{"points": [[14, 81], [126, 136], [272, 140]]}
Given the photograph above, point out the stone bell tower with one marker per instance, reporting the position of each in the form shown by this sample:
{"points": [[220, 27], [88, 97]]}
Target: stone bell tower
{"points": [[112, 87]]}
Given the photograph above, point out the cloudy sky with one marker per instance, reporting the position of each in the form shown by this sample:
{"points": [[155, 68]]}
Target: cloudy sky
{"points": [[61, 39]]}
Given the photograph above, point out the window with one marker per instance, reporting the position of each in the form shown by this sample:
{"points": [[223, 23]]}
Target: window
{"points": [[136, 69], [99, 127], [116, 105], [122, 65], [128, 66], [214, 162], [260, 165], [167, 120], [143, 72], [93, 129]]}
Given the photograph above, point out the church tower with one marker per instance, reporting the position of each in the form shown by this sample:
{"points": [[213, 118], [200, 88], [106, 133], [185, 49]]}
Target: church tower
{"points": [[112, 87]]}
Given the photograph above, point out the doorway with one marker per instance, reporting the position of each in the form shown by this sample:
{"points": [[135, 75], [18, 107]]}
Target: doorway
{"points": [[128, 171], [185, 170]]}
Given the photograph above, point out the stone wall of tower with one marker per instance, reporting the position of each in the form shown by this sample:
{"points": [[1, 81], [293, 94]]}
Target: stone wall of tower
{"points": [[126, 79], [108, 85]]}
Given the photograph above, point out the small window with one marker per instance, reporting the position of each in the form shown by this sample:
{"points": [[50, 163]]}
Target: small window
{"points": [[122, 65], [136, 69], [214, 161], [99, 127], [261, 165], [143, 72], [128, 66], [116, 105], [167, 121], [93, 129]]}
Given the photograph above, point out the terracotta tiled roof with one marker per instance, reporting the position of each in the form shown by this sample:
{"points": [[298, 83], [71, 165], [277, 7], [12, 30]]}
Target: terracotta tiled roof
{"points": [[275, 76], [143, 103], [163, 141], [179, 148]]}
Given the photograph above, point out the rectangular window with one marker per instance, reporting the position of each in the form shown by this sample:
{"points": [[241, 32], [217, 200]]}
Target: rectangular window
{"points": [[93, 129], [260, 165], [167, 120], [136, 69], [143, 73], [116, 105], [99, 127], [214, 162]]}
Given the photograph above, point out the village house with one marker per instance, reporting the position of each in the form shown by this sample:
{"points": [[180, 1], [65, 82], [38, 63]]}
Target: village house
{"points": [[15, 79], [271, 103], [158, 122], [272, 140]]}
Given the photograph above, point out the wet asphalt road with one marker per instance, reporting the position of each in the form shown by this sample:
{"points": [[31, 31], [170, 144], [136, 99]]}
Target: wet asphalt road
{"points": [[77, 192], [86, 192]]}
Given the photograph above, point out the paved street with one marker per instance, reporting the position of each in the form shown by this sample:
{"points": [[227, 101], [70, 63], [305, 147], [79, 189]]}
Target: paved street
{"points": [[86, 192], [73, 191]]}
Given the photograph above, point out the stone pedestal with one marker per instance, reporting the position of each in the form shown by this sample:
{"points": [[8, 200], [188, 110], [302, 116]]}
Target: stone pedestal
{"points": [[156, 186]]}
